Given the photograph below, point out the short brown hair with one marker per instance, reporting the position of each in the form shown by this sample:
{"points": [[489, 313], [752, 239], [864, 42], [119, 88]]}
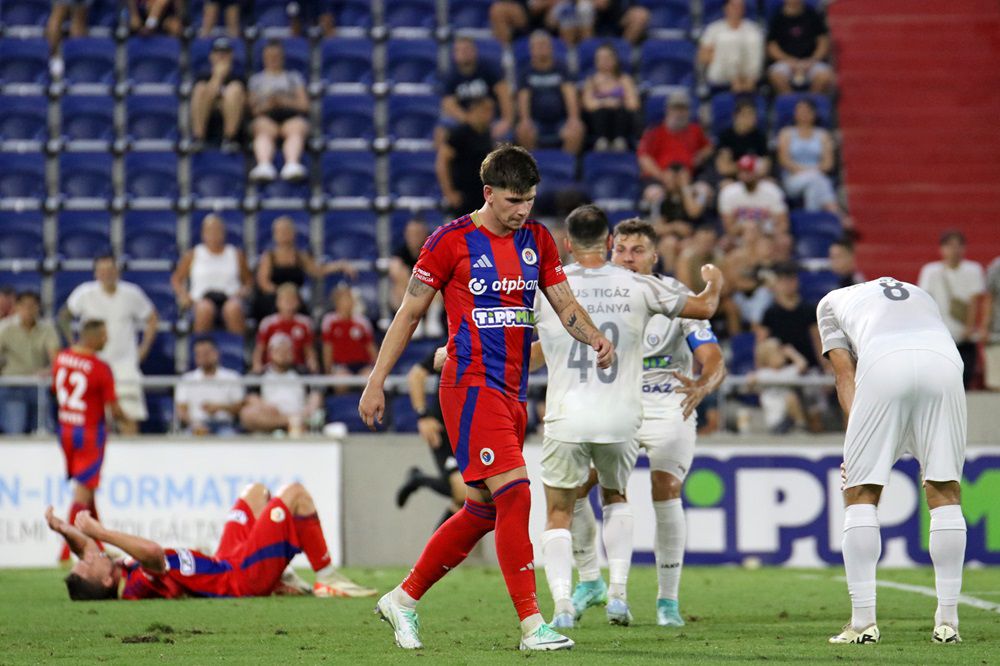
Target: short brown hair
{"points": [[510, 167], [587, 225], [91, 326], [81, 589], [635, 226]]}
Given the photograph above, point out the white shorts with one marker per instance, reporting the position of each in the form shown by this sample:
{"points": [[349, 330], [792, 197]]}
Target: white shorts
{"points": [[785, 69], [909, 401], [130, 396], [567, 464], [669, 442]]}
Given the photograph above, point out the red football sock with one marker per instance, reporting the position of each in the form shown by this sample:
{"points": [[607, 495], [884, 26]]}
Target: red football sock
{"points": [[449, 546], [313, 543], [514, 551]]}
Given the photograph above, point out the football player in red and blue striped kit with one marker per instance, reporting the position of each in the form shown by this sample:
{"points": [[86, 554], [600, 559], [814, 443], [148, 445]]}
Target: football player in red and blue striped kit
{"points": [[489, 265]]}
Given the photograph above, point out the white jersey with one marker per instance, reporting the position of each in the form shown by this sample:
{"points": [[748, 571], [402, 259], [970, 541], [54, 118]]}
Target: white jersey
{"points": [[123, 312], [584, 403], [668, 346], [881, 316]]}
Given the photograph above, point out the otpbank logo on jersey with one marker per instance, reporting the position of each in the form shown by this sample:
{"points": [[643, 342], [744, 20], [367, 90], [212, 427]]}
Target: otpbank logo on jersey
{"points": [[503, 317], [479, 286]]}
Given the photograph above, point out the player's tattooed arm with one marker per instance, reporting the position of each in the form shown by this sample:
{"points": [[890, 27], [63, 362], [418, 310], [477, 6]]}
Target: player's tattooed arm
{"points": [[418, 289], [578, 323], [844, 367]]}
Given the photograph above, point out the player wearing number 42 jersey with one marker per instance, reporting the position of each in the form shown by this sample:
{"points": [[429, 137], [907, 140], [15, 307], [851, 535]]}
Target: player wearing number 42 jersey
{"points": [[85, 390], [899, 379]]}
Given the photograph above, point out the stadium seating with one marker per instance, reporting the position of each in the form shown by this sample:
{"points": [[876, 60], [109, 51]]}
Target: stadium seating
{"points": [[655, 107], [586, 49], [344, 408], [723, 106], [742, 347], [401, 216], [558, 172], [412, 61], [349, 175], [412, 177], [814, 232], [353, 14], [24, 61], [66, 282], [489, 50], [413, 116], [160, 407], [83, 234], [350, 235], [202, 47], [151, 175], [404, 419], [346, 61], [21, 235], [784, 109], [104, 13], [85, 175], [153, 60], [89, 60], [366, 286], [22, 176], [151, 118], [24, 118], [411, 14], [22, 280], [284, 189], [150, 234], [161, 359], [522, 53], [270, 14], [348, 117], [612, 177], [814, 285], [25, 13], [266, 218], [231, 350], [156, 285], [666, 63], [469, 14], [88, 118], [669, 15], [296, 55], [217, 175]]}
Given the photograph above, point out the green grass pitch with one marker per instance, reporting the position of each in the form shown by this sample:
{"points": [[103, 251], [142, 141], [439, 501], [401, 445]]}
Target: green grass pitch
{"points": [[772, 615]]}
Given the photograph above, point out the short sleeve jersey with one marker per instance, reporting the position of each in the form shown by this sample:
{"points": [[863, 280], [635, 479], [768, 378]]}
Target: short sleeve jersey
{"points": [[797, 35], [83, 385], [189, 573], [468, 87], [489, 284], [298, 328], [547, 103]]}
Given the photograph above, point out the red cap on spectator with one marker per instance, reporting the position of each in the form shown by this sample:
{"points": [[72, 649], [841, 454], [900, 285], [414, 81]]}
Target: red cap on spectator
{"points": [[747, 163]]}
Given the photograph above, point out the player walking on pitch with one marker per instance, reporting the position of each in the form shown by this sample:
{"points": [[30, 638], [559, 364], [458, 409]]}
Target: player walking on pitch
{"points": [[489, 265], [596, 417], [899, 379]]}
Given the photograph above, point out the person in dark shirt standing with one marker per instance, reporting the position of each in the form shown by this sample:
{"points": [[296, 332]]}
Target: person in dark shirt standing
{"points": [[547, 101], [469, 80], [798, 44], [459, 156], [743, 138]]}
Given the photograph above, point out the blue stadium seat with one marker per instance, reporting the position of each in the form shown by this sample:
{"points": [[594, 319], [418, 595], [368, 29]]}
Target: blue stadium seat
{"points": [[151, 175], [22, 175], [667, 63], [586, 49], [412, 61], [296, 55], [413, 116], [162, 355], [742, 347], [490, 51], [404, 419], [474, 14], [85, 175], [346, 60], [88, 117], [522, 52], [353, 13], [150, 234], [153, 60], [270, 14], [284, 189], [104, 13], [348, 174], [347, 235], [151, 117], [814, 285], [611, 176], [558, 171], [66, 282], [668, 14], [410, 14], [156, 285], [200, 49], [25, 13], [348, 117], [232, 220], [412, 175], [415, 352], [616, 216], [24, 118], [724, 105], [231, 350], [89, 60], [784, 109], [344, 408], [83, 234], [814, 232], [215, 174], [21, 235], [24, 61], [712, 10], [21, 280], [300, 219]]}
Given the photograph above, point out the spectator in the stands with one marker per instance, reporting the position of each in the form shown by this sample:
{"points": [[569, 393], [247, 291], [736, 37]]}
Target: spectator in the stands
{"points": [[798, 44], [621, 18], [732, 50], [283, 261], [682, 204], [989, 333], [230, 11], [404, 258], [27, 348], [290, 322], [676, 144], [74, 10], [469, 80], [280, 108], [701, 249], [842, 263], [208, 399], [459, 156], [124, 308], [147, 17], [751, 204], [744, 137], [777, 362], [8, 300], [572, 20], [611, 101], [956, 284], [304, 14], [218, 99], [747, 297], [348, 338], [219, 280], [805, 153], [547, 100], [284, 401], [511, 18]]}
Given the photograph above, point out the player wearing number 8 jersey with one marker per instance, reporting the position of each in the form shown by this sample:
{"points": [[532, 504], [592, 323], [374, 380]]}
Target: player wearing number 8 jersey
{"points": [[85, 389], [899, 379]]}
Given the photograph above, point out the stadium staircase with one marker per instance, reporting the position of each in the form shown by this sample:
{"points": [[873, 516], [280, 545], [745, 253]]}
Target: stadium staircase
{"points": [[920, 98]]}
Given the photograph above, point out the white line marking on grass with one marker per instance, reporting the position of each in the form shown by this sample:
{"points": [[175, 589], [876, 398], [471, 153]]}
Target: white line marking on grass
{"points": [[929, 592]]}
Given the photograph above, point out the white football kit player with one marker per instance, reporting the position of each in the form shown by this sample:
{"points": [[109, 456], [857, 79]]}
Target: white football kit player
{"points": [[908, 396]]}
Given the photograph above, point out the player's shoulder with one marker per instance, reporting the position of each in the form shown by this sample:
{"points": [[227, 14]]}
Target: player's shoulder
{"points": [[269, 321], [659, 281], [303, 320], [446, 232], [85, 289]]}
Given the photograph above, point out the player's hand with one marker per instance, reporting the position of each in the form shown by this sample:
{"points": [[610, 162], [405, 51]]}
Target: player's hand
{"points": [[440, 356], [87, 524], [711, 273], [605, 351], [693, 393], [56, 524], [430, 429], [371, 407]]}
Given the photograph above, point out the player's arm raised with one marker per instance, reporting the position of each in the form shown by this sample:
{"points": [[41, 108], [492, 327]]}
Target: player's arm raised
{"points": [[704, 305], [77, 541], [844, 366], [578, 323], [147, 553], [417, 299], [713, 371]]}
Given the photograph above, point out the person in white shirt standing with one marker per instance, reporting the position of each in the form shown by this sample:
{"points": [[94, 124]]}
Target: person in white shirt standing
{"points": [[124, 308], [956, 283], [210, 396], [732, 50], [592, 414], [899, 380], [752, 205]]}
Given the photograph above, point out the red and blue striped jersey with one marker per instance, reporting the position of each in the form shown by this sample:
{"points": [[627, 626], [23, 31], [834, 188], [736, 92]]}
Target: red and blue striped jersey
{"points": [[489, 284], [189, 574]]}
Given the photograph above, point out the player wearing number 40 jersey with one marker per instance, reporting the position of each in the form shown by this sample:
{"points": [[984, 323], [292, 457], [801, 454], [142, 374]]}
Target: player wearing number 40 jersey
{"points": [[593, 415], [84, 389], [899, 379]]}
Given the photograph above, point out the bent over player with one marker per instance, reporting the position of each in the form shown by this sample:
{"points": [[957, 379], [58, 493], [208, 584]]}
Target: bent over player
{"points": [[261, 536], [899, 380], [489, 264]]}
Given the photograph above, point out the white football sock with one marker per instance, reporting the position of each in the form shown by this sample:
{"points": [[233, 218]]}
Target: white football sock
{"points": [[671, 533], [557, 551], [584, 529], [530, 623], [947, 548], [402, 597], [618, 546], [326, 571], [862, 548]]}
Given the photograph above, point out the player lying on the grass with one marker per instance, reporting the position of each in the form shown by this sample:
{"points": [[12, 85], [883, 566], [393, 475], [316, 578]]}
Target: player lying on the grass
{"points": [[656, 324], [261, 536], [899, 380]]}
